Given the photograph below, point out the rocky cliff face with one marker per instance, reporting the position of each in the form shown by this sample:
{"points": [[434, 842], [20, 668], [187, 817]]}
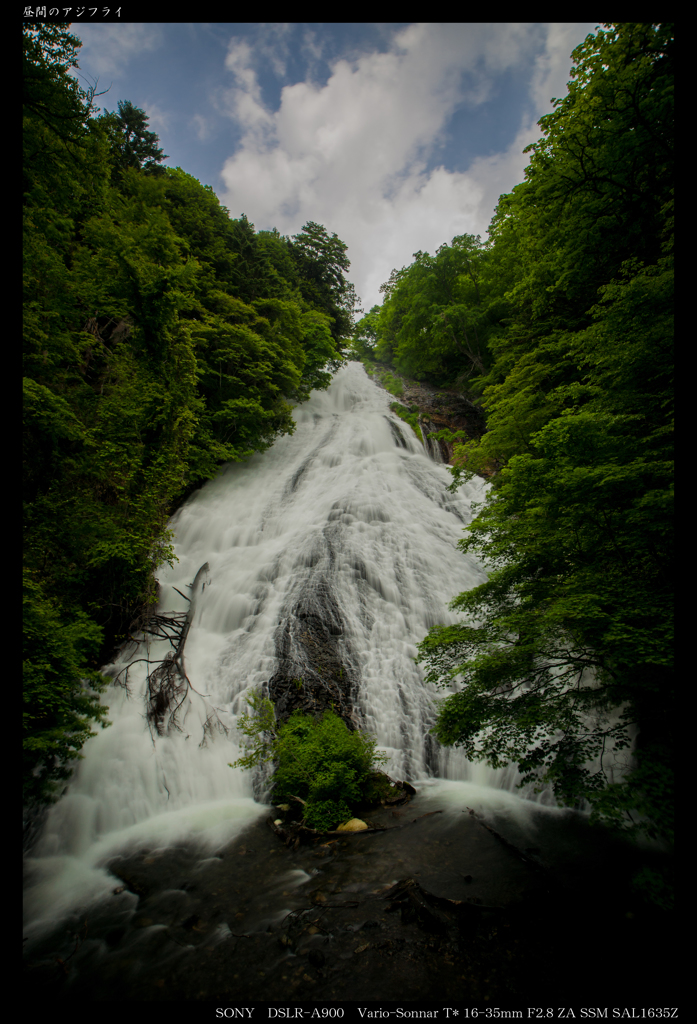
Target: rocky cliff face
{"points": [[437, 408], [315, 668]]}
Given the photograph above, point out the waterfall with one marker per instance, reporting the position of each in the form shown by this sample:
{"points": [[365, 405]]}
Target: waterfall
{"points": [[342, 539], [430, 443]]}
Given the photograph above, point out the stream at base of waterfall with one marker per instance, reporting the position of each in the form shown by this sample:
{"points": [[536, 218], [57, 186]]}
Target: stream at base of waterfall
{"points": [[156, 876]]}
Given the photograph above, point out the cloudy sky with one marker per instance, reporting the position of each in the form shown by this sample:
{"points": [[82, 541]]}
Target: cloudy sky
{"points": [[395, 136]]}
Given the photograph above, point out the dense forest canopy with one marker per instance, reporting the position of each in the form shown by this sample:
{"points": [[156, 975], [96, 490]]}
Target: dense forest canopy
{"points": [[561, 326], [162, 338]]}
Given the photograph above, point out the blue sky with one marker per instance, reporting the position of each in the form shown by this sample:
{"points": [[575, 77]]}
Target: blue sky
{"points": [[397, 136]]}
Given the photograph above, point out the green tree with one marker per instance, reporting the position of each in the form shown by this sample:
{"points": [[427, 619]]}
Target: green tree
{"points": [[329, 768], [365, 335], [132, 144], [439, 312], [598, 193], [568, 645], [54, 104], [321, 261], [109, 408], [65, 180], [259, 346]]}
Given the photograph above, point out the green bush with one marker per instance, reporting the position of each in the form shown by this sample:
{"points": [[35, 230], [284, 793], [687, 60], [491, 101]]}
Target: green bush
{"points": [[318, 760], [393, 385]]}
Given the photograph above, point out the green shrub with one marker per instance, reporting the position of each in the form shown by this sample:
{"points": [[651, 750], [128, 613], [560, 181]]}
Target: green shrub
{"points": [[325, 815], [393, 385], [318, 760]]}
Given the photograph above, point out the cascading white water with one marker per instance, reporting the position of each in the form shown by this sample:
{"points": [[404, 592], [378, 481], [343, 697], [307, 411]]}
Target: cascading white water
{"points": [[350, 507]]}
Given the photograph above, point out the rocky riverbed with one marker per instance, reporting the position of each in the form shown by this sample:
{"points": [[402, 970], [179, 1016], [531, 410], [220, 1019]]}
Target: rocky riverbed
{"points": [[434, 906]]}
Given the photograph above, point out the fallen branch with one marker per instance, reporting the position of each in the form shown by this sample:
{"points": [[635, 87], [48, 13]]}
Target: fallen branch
{"points": [[168, 684]]}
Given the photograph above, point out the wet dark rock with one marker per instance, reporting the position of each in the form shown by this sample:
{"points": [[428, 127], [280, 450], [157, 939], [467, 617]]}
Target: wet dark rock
{"points": [[422, 937], [136, 886], [316, 958], [192, 923], [114, 937], [381, 789], [315, 673], [419, 906]]}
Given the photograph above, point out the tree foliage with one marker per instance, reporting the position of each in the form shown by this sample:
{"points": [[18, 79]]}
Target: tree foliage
{"points": [[318, 760], [132, 144], [61, 696], [437, 315], [566, 650], [365, 335], [161, 339], [321, 261]]}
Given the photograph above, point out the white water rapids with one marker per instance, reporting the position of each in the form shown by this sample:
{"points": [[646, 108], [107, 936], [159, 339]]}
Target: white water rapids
{"points": [[349, 505]]}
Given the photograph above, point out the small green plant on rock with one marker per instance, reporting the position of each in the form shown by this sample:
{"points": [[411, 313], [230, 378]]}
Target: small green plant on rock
{"points": [[409, 416], [320, 763], [393, 385], [259, 726]]}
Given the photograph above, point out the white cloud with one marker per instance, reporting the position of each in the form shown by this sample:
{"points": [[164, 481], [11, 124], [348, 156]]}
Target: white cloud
{"points": [[203, 126], [313, 48], [272, 46], [243, 101], [553, 67], [352, 153]]}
